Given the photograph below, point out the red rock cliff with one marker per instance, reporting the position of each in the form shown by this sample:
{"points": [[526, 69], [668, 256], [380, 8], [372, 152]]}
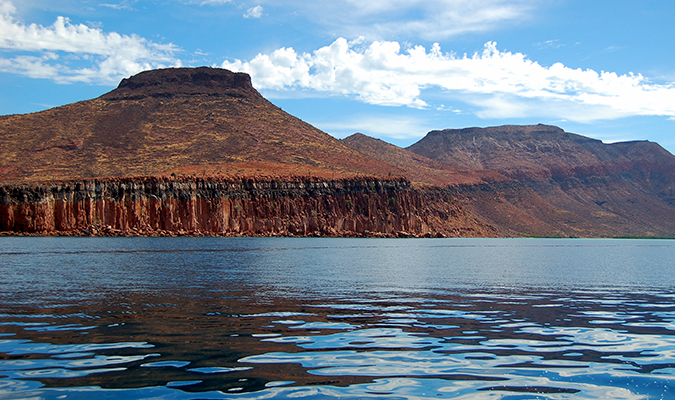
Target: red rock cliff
{"points": [[195, 206]]}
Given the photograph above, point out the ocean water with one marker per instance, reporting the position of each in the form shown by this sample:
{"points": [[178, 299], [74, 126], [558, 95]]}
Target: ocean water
{"points": [[277, 318]]}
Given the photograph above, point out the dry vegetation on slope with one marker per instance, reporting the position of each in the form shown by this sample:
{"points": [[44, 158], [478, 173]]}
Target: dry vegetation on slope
{"points": [[193, 121], [421, 170]]}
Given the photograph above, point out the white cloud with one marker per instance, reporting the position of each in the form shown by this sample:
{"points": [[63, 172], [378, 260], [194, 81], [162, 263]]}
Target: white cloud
{"points": [[549, 44], [216, 2], [117, 6], [405, 19], [396, 127], [500, 84], [254, 12], [339, 69], [91, 55], [7, 7]]}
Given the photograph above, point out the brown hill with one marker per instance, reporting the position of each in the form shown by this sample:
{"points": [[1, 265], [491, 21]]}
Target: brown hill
{"points": [[539, 152], [587, 188], [421, 170], [201, 121]]}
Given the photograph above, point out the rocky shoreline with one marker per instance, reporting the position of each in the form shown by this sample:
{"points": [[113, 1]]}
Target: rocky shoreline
{"points": [[191, 206]]}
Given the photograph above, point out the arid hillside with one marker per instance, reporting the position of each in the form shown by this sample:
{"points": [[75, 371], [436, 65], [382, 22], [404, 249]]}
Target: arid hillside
{"points": [[132, 160], [536, 152], [199, 151], [564, 183], [421, 170], [191, 121]]}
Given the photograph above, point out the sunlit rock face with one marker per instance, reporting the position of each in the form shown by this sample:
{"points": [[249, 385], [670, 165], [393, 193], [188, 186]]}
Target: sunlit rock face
{"points": [[153, 206]]}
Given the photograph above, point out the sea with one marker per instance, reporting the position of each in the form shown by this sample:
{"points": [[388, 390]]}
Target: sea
{"points": [[336, 318]]}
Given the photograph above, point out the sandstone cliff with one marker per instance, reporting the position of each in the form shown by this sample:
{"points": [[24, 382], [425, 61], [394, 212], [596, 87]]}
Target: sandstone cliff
{"points": [[263, 207]]}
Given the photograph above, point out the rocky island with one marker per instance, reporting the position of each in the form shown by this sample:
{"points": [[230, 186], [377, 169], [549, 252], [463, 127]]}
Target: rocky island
{"points": [[198, 151]]}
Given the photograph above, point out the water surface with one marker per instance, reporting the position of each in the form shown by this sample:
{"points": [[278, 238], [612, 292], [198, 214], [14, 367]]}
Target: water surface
{"points": [[257, 318]]}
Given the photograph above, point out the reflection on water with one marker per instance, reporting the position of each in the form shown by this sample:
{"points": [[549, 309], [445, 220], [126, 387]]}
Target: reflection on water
{"points": [[193, 318]]}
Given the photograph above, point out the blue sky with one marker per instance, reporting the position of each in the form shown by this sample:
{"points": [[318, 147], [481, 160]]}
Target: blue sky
{"points": [[392, 69]]}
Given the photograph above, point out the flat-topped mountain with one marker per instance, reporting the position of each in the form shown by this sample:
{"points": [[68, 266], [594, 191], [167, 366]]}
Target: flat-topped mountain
{"points": [[133, 158], [538, 152], [586, 185], [201, 121], [542, 152], [174, 82]]}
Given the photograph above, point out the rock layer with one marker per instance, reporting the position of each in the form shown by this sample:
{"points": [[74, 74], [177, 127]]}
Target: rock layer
{"points": [[169, 206]]}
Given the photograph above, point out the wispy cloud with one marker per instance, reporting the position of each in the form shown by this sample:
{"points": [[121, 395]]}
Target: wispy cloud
{"points": [[254, 12], [410, 19], [396, 127], [66, 52], [395, 19], [498, 84], [549, 44], [115, 6], [212, 2]]}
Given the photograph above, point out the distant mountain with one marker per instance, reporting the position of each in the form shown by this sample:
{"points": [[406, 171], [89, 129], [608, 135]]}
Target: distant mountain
{"points": [[539, 152], [199, 121], [419, 169], [608, 189]]}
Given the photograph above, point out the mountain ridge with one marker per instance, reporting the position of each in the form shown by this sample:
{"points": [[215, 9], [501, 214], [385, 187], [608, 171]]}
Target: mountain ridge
{"points": [[534, 152], [619, 187], [209, 124]]}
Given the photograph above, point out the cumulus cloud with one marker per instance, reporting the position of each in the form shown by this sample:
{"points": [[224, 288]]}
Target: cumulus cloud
{"points": [[254, 12], [498, 83], [7, 7], [66, 52]]}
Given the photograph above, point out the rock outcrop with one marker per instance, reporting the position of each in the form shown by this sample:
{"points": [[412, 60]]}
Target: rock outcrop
{"points": [[186, 206]]}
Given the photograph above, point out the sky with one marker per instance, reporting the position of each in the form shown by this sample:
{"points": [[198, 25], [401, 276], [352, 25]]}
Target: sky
{"points": [[391, 69]]}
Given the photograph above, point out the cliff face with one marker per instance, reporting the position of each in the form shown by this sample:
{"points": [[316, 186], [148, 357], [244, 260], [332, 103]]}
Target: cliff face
{"points": [[221, 159], [173, 82], [302, 207]]}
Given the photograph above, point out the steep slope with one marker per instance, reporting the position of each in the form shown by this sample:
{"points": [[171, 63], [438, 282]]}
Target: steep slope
{"points": [[198, 121], [596, 188], [169, 206]]}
